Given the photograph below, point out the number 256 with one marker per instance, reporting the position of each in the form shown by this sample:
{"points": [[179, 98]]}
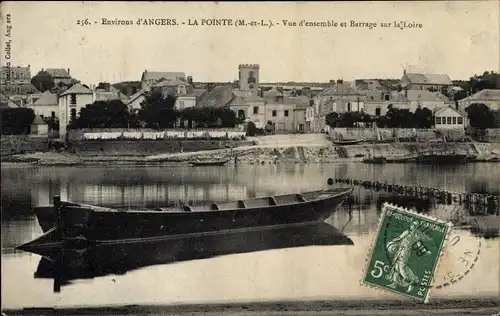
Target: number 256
{"points": [[378, 269]]}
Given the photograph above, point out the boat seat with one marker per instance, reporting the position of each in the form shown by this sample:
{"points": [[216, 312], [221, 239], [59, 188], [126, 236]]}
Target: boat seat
{"points": [[214, 207], [300, 198], [241, 204], [272, 201], [187, 208]]}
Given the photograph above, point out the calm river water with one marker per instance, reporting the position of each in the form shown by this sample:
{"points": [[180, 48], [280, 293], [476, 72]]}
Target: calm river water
{"points": [[321, 262]]}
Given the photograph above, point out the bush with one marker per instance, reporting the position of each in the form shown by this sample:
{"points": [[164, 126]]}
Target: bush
{"points": [[16, 121]]}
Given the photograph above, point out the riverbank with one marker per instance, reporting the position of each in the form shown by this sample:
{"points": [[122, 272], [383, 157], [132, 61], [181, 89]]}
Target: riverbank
{"points": [[265, 154], [486, 306]]}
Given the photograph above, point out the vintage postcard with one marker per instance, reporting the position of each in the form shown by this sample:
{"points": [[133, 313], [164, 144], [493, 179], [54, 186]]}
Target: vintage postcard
{"points": [[250, 158]]}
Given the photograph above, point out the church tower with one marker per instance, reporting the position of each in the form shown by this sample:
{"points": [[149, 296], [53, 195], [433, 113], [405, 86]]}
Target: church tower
{"points": [[249, 76]]}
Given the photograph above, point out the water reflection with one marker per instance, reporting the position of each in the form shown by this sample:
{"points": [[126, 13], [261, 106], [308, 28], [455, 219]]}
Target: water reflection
{"points": [[119, 258]]}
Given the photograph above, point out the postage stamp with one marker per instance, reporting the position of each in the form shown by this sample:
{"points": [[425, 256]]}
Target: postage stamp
{"points": [[405, 254]]}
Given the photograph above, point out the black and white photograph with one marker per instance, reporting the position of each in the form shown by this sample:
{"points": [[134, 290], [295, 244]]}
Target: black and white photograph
{"points": [[250, 158]]}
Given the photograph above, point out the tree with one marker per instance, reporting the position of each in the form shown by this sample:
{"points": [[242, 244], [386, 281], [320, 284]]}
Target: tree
{"points": [[331, 119], [43, 81], [480, 116], [104, 114], [397, 118], [423, 118], [488, 80], [16, 121], [158, 111], [251, 129]]}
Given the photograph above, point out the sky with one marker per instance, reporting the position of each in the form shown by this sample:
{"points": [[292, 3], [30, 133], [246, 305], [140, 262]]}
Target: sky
{"points": [[457, 38]]}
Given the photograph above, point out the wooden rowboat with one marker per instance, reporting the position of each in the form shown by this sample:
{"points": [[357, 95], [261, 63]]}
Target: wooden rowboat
{"points": [[80, 224], [348, 142], [209, 162]]}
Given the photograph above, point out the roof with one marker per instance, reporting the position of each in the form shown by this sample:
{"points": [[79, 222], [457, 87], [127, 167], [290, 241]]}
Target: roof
{"points": [[486, 95], [158, 75], [109, 95], [444, 108], [273, 93], [47, 98], [38, 120], [301, 102], [219, 96], [134, 96], [58, 72], [421, 95], [78, 89], [431, 79], [340, 89], [170, 82]]}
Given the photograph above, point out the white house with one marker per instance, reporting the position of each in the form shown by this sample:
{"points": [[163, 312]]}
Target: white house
{"points": [[419, 81], [424, 99], [70, 103], [46, 105], [447, 118], [135, 100], [489, 97]]}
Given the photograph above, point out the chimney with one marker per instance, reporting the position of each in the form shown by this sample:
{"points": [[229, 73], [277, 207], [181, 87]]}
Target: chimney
{"points": [[406, 93], [190, 80], [69, 73]]}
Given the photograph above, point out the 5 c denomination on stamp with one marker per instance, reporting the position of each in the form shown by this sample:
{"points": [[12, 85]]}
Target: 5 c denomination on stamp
{"points": [[406, 252]]}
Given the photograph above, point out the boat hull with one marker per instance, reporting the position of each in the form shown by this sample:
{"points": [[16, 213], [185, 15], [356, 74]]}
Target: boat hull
{"points": [[442, 159], [107, 224], [210, 163]]}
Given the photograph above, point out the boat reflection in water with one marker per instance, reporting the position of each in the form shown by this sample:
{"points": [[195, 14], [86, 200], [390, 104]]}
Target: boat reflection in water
{"points": [[98, 260]]}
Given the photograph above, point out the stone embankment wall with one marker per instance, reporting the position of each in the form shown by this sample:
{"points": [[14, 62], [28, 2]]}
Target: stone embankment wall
{"points": [[148, 147], [331, 153]]}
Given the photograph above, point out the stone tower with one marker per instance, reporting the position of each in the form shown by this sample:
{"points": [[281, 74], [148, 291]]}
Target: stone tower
{"points": [[249, 76]]}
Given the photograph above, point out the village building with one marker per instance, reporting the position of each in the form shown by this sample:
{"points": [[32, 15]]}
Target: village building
{"points": [[16, 81], [46, 105], [340, 98], [150, 78], [134, 102], [424, 99], [39, 127], [448, 118], [70, 103], [489, 97], [60, 75], [419, 81]]}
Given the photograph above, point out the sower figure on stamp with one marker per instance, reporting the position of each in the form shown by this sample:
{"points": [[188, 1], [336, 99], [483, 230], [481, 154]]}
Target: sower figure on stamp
{"points": [[400, 249]]}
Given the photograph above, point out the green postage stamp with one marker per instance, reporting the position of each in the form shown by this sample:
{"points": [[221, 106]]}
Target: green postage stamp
{"points": [[405, 254]]}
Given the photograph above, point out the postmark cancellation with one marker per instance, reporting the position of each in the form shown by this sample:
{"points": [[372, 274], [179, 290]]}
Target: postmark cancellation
{"points": [[406, 252]]}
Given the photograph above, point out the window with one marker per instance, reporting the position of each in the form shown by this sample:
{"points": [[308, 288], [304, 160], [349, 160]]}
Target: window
{"points": [[73, 114], [18, 89], [72, 100], [454, 120], [275, 113], [255, 110], [241, 113], [348, 106], [181, 104], [286, 112], [251, 86], [53, 114], [378, 111], [448, 120], [387, 97], [460, 120], [438, 120]]}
